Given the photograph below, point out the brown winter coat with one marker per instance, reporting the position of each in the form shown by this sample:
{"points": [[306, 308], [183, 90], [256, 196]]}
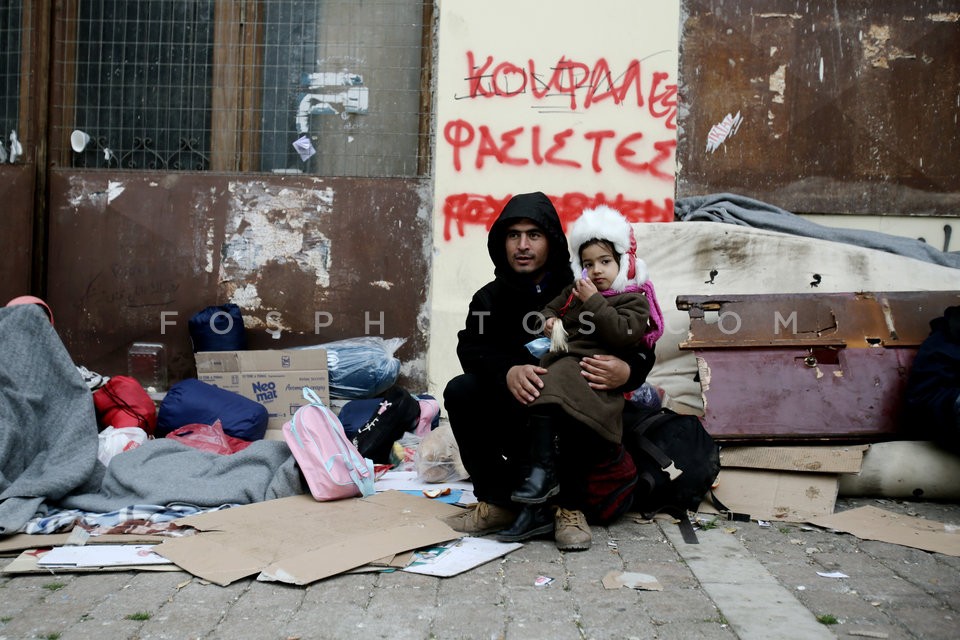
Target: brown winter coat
{"points": [[601, 325]]}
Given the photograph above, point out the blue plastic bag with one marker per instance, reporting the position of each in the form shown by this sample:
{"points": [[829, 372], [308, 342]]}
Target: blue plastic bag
{"points": [[361, 367]]}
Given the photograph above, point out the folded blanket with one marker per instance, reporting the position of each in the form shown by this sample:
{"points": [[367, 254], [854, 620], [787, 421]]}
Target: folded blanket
{"points": [[736, 209]]}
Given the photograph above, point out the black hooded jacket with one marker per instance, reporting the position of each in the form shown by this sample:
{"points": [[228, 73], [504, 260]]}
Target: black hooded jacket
{"points": [[500, 320], [495, 333]]}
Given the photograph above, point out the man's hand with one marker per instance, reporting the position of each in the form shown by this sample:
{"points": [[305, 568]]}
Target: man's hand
{"points": [[604, 372], [524, 382]]}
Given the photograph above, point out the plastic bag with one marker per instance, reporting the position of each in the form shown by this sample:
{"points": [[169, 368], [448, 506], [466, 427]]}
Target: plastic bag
{"points": [[438, 457], [646, 396], [208, 437], [114, 440], [404, 452], [361, 367], [538, 347]]}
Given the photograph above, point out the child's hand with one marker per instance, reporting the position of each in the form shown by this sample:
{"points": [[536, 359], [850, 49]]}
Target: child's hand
{"points": [[548, 326], [584, 288]]}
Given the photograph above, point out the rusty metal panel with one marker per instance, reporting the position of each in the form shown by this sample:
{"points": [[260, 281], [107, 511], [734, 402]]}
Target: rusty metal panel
{"points": [[835, 370], [892, 319], [848, 394], [16, 239], [830, 107], [134, 255]]}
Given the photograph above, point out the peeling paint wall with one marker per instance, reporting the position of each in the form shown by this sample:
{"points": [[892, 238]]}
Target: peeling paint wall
{"points": [[134, 256], [847, 107], [267, 226]]}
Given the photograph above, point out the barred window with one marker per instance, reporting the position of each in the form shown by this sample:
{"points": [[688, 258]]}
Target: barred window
{"points": [[11, 45], [328, 87]]}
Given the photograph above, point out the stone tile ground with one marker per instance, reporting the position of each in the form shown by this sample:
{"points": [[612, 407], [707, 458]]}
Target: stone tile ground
{"points": [[891, 592]]}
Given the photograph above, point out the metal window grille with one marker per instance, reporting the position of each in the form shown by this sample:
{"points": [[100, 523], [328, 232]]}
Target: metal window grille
{"points": [[11, 43], [327, 87]]}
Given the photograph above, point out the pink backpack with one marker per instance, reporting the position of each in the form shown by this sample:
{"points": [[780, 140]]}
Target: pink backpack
{"points": [[331, 464]]}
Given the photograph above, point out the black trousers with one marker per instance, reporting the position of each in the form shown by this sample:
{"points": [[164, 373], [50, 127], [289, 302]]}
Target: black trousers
{"points": [[490, 427]]}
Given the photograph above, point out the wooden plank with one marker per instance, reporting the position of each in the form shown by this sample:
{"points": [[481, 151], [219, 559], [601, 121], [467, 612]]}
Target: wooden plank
{"points": [[227, 89]]}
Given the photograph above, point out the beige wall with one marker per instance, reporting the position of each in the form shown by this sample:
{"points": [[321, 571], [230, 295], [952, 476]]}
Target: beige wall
{"points": [[506, 73]]}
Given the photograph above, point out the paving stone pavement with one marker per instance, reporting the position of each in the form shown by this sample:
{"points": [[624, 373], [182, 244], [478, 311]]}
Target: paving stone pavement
{"points": [[891, 592]]}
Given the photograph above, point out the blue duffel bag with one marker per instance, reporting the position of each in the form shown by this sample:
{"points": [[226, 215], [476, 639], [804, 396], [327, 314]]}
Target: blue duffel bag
{"points": [[193, 401], [218, 328]]}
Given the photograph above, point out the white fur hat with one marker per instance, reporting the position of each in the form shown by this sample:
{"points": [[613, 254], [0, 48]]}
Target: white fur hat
{"points": [[604, 223]]}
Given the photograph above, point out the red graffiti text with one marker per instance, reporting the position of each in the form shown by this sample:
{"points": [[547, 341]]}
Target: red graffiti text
{"points": [[592, 84], [462, 209], [524, 145]]}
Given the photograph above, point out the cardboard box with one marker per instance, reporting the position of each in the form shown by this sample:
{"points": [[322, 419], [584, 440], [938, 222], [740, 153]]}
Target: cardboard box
{"points": [[275, 378]]}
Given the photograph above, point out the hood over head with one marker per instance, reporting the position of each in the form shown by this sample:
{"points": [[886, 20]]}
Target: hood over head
{"points": [[537, 208]]}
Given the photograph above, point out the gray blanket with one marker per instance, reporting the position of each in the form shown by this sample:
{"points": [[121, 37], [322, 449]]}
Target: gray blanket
{"points": [[48, 429], [48, 443], [165, 471], [736, 209]]}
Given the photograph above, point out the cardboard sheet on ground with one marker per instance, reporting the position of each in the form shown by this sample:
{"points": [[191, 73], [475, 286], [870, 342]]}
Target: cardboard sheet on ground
{"points": [[871, 523], [101, 555], [847, 459], [23, 541], [28, 562], [299, 540], [775, 495], [459, 556]]}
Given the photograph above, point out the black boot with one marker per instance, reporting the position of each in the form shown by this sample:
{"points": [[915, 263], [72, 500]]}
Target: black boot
{"points": [[533, 520], [542, 483]]}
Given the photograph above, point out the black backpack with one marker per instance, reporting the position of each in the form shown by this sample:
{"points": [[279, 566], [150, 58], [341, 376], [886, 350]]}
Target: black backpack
{"points": [[386, 422], [677, 463]]}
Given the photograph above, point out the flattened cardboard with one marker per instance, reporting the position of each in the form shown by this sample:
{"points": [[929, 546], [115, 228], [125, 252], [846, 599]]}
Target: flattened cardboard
{"points": [[101, 555], [22, 541], [871, 523], [27, 562], [776, 495], [804, 459], [299, 540], [273, 377]]}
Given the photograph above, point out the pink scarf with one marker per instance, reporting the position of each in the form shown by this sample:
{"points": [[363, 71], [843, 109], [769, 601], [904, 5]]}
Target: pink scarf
{"points": [[656, 315]]}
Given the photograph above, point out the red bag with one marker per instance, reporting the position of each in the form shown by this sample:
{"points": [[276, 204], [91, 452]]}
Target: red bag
{"points": [[610, 487], [123, 402], [208, 437]]}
